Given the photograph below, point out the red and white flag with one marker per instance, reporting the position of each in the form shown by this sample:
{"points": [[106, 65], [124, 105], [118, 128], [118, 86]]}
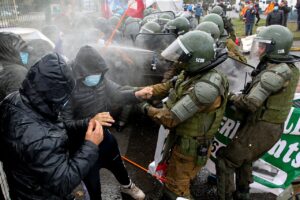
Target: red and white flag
{"points": [[136, 8]]}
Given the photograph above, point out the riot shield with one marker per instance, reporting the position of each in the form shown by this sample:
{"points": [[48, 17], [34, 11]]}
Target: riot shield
{"points": [[154, 42], [158, 17], [238, 74], [131, 30], [132, 66]]}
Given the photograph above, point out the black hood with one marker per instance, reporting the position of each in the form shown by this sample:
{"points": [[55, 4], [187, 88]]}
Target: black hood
{"points": [[10, 47], [48, 85], [88, 62]]}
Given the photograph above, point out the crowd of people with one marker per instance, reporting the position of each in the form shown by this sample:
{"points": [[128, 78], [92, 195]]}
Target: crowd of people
{"points": [[55, 116], [276, 12]]}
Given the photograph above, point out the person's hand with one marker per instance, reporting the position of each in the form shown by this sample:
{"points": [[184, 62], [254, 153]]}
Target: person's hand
{"points": [[145, 93], [94, 132], [104, 118]]}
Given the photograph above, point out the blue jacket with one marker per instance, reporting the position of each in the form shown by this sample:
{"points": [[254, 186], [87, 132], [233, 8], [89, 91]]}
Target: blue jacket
{"points": [[250, 16], [198, 10]]}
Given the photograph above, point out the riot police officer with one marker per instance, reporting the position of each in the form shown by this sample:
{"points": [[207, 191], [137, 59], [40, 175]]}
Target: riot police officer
{"points": [[226, 20], [131, 28], [193, 111], [151, 27], [163, 19], [218, 21], [223, 40], [211, 28], [263, 108], [178, 26]]}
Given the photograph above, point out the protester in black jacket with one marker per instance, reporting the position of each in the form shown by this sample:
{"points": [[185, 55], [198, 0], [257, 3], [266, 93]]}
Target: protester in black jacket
{"points": [[94, 93], [285, 9], [34, 142], [12, 71], [275, 17]]}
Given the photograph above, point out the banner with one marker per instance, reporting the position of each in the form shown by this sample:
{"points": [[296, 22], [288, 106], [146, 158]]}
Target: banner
{"points": [[136, 8]]}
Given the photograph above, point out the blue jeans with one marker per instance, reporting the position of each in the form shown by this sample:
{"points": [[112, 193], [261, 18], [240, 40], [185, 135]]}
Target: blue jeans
{"points": [[248, 29]]}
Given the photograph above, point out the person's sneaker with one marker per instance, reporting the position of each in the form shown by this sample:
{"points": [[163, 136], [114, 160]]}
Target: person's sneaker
{"points": [[133, 191]]}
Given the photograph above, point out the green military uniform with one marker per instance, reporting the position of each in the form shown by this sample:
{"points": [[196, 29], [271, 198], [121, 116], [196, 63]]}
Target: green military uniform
{"points": [[193, 111], [228, 26], [265, 105], [223, 40], [196, 131]]}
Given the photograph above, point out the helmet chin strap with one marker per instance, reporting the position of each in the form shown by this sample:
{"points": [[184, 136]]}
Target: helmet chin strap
{"points": [[221, 56]]}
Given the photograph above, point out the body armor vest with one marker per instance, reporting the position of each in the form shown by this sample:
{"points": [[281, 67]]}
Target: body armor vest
{"points": [[277, 106], [204, 124]]}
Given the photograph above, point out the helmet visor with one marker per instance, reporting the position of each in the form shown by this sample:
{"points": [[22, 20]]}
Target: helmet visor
{"points": [[258, 49], [175, 51]]}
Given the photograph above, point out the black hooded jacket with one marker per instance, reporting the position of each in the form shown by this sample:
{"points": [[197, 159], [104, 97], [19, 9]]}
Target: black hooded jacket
{"points": [[88, 101], [275, 17], [12, 73], [34, 144]]}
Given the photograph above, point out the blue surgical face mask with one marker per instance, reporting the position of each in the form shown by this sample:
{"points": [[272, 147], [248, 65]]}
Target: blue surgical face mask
{"points": [[24, 57], [92, 80], [276, 8]]}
